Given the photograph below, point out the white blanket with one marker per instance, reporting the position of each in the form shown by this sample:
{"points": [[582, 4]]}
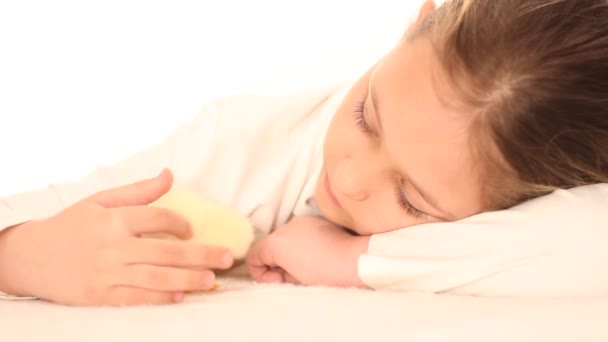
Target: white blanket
{"points": [[245, 311]]}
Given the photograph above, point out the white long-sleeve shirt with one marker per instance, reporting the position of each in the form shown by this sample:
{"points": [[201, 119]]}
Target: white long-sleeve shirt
{"points": [[261, 155]]}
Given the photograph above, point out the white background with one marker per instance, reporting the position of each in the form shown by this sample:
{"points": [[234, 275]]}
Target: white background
{"points": [[85, 83]]}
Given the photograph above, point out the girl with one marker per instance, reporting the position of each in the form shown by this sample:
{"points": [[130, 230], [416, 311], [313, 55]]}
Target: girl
{"points": [[482, 105]]}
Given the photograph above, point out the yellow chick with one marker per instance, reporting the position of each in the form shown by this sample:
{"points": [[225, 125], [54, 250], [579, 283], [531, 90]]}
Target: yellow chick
{"points": [[211, 223]]}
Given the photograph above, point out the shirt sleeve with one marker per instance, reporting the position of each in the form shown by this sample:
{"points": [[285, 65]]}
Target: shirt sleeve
{"points": [[185, 152], [555, 245]]}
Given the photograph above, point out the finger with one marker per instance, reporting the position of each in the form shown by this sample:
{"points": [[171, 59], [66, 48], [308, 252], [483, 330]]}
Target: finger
{"points": [[290, 279], [260, 254], [256, 272], [131, 296], [177, 254], [167, 279], [261, 267], [270, 275], [143, 219], [139, 193]]}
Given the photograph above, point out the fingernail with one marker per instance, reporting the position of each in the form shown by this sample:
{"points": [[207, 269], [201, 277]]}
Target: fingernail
{"points": [[227, 259], [178, 297], [208, 280]]}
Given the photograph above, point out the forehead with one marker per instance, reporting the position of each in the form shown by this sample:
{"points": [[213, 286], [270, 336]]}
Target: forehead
{"points": [[411, 81], [424, 136]]}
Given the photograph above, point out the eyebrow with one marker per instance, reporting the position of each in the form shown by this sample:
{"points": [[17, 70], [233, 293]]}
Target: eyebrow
{"points": [[431, 200]]}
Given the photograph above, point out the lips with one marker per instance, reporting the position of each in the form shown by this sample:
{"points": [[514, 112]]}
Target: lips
{"points": [[330, 193]]}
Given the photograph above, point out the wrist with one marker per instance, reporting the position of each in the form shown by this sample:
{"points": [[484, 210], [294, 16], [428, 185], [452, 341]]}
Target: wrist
{"points": [[10, 245], [349, 252]]}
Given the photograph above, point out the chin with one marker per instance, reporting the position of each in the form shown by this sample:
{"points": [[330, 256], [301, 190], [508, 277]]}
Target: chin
{"points": [[340, 222], [332, 215], [324, 205]]}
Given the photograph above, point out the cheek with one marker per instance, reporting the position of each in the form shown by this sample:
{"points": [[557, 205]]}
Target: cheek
{"points": [[370, 221], [342, 131], [380, 214]]}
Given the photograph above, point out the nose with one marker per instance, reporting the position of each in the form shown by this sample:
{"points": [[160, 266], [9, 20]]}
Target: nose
{"points": [[353, 178]]}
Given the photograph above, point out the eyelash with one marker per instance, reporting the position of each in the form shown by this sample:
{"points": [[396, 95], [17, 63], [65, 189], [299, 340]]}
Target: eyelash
{"points": [[405, 203], [360, 118], [402, 200]]}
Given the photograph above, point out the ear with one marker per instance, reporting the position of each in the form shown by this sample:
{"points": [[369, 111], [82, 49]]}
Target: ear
{"points": [[427, 7], [425, 10]]}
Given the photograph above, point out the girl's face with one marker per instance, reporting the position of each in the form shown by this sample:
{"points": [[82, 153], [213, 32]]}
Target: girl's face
{"points": [[395, 155]]}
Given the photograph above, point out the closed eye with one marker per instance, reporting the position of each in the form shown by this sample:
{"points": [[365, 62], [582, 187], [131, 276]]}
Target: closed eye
{"points": [[401, 198], [360, 118], [406, 205]]}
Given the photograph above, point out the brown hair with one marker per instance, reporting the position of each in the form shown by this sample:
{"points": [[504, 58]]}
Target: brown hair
{"points": [[535, 74]]}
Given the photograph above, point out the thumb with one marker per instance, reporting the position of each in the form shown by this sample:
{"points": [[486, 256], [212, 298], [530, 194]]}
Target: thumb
{"points": [[139, 193]]}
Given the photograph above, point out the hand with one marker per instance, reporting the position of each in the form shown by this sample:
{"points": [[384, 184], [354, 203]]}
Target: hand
{"points": [[308, 250], [91, 252]]}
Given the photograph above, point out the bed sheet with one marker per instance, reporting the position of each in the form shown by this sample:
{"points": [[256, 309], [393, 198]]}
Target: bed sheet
{"points": [[243, 310]]}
